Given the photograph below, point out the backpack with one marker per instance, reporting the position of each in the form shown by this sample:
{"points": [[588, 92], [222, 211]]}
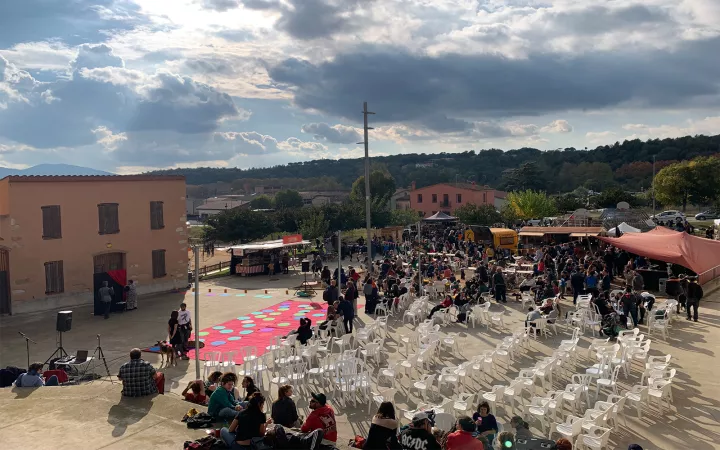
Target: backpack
{"points": [[326, 295], [202, 420], [367, 289], [206, 443]]}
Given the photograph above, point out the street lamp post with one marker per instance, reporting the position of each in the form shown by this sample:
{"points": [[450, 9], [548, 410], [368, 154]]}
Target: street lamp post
{"points": [[367, 185]]}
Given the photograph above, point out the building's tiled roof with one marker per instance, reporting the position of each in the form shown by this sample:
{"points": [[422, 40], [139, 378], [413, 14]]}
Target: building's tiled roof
{"points": [[219, 205]]}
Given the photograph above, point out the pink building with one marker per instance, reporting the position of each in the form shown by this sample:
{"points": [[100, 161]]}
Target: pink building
{"points": [[61, 236], [448, 197]]}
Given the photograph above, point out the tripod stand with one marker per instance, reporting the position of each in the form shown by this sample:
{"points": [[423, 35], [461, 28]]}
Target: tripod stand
{"points": [[27, 346], [98, 354], [59, 351]]}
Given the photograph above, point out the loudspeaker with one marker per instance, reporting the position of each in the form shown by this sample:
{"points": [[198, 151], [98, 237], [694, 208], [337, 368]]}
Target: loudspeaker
{"points": [[306, 265], [64, 321]]}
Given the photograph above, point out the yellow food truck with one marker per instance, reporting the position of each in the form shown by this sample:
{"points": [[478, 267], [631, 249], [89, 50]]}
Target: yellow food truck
{"points": [[497, 237]]}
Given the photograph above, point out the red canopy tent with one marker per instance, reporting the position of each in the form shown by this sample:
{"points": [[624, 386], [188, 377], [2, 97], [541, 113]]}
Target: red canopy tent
{"points": [[663, 244]]}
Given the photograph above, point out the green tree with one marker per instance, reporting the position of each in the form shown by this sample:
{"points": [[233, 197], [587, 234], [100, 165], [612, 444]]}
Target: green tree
{"points": [[382, 186], [288, 199], [472, 214], [526, 176], [261, 202], [314, 226], [403, 217], [568, 202], [609, 198], [531, 204], [509, 215], [693, 181], [239, 226]]}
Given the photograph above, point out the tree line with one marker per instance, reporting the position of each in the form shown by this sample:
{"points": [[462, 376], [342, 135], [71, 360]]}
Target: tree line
{"points": [[626, 165]]}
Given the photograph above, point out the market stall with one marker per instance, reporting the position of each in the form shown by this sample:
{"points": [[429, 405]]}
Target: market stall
{"points": [[259, 257], [700, 255]]}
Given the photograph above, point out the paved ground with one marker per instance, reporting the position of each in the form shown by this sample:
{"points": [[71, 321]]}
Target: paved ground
{"points": [[98, 418]]}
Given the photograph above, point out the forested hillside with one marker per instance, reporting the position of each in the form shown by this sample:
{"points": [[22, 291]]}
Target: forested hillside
{"points": [[628, 165]]}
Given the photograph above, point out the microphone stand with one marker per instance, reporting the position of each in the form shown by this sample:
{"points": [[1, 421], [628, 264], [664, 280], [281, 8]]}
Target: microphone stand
{"points": [[27, 345]]}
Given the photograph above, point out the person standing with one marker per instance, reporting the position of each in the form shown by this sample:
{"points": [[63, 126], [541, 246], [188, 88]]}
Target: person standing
{"points": [[174, 334], [577, 283], [348, 312], [131, 296], [351, 294], [499, 286], [630, 305], [694, 294], [106, 294], [185, 325]]}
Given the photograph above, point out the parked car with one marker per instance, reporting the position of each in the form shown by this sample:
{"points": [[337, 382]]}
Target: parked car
{"points": [[669, 216], [709, 214]]}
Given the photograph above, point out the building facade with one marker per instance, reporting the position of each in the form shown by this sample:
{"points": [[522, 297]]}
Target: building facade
{"points": [[447, 197], [60, 234]]}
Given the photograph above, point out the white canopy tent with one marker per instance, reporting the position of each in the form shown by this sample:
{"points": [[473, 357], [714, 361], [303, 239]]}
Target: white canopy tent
{"points": [[267, 245], [624, 228]]}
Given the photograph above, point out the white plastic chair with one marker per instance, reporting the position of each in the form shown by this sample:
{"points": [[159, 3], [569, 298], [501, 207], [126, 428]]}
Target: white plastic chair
{"points": [[448, 376], [383, 395], [211, 360], [425, 385], [570, 429], [595, 439], [639, 395], [445, 421], [463, 402], [495, 397], [538, 408], [607, 382], [659, 390], [226, 363]]}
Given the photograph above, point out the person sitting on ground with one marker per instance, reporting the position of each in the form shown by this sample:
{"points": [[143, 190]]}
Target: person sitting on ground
{"points": [[486, 423], [383, 429], [249, 385], [418, 436], [248, 424], [33, 377], [212, 382], [521, 428], [197, 395], [322, 417], [138, 376], [279, 438], [462, 438], [505, 441], [223, 405], [284, 412]]}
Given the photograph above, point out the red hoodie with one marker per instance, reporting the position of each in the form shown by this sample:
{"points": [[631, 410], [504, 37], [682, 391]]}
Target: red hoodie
{"points": [[322, 418]]}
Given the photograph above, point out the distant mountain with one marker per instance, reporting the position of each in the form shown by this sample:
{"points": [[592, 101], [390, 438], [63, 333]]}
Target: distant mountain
{"points": [[52, 169]]}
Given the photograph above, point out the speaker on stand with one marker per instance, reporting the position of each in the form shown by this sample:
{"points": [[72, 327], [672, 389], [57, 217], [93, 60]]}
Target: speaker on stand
{"points": [[62, 325], [305, 290]]}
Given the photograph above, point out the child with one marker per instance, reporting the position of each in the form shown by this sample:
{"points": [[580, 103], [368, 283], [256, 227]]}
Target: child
{"points": [[462, 274], [563, 285]]}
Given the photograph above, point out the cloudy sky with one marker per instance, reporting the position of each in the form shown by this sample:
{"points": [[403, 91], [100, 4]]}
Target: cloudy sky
{"points": [[130, 85]]}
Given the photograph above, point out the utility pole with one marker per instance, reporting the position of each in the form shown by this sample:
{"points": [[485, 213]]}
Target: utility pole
{"points": [[196, 322], [367, 187], [653, 185]]}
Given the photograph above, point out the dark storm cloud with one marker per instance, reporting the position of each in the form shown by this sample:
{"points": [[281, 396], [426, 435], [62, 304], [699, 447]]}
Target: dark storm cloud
{"points": [[70, 21], [600, 19], [304, 19], [407, 87], [338, 134]]}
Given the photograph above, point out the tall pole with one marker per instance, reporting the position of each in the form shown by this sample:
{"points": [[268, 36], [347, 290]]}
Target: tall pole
{"points": [[197, 312], [367, 187], [653, 185], [339, 262], [420, 286]]}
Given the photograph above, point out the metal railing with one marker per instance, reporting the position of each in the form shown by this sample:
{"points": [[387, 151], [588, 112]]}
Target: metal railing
{"points": [[203, 271]]}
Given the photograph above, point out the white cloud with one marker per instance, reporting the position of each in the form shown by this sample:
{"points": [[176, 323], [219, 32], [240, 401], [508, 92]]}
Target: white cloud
{"points": [[557, 126], [600, 137], [709, 126]]}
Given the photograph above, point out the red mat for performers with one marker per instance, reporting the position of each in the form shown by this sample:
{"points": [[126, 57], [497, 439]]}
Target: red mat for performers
{"points": [[258, 328]]}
